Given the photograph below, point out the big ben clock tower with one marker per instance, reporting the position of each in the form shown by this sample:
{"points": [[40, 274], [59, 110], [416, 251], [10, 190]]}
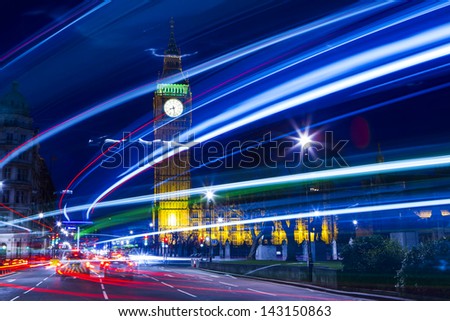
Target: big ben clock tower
{"points": [[172, 109]]}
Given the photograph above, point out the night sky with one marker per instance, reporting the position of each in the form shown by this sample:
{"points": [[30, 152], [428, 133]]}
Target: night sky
{"points": [[116, 47]]}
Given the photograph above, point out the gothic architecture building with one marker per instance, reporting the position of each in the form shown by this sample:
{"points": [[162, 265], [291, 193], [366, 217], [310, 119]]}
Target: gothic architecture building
{"points": [[25, 184]]}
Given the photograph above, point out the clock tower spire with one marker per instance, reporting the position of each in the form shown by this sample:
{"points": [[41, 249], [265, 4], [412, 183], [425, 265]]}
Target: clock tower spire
{"points": [[172, 55]]}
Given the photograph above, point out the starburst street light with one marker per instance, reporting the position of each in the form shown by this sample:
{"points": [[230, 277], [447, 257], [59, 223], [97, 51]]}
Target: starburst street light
{"points": [[304, 141], [209, 195]]}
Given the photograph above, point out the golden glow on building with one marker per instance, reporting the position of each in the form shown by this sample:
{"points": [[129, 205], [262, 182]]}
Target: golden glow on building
{"points": [[424, 213]]}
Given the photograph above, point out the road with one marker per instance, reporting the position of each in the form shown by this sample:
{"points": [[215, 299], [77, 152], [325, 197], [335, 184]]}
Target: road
{"points": [[156, 282]]}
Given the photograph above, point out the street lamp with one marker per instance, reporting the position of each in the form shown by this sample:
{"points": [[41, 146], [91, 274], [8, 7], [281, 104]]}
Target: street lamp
{"points": [[220, 221], [355, 225], [304, 141], [210, 197]]}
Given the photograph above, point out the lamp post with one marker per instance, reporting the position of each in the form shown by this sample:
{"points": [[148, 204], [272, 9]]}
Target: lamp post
{"points": [[305, 140], [209, 198], [152, 229], [355, 226], [220, 221]]}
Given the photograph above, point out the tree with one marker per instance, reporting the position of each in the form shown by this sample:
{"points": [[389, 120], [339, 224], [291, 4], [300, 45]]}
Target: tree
{"points": [[289, 228], [255, 240], [372, 261], [426, 269]]}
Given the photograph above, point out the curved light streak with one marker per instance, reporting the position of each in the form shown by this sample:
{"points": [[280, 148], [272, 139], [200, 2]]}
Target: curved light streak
{"points": [[274, 94], [335, 212], [84, 169], [29, 41], [320, 92], [313, 78], [338, 173], [351, 12], [334, 87], [303, 177]]}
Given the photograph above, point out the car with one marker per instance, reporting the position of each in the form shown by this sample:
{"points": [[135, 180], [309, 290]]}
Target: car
{"points": [[73, 263], [120, 268]]}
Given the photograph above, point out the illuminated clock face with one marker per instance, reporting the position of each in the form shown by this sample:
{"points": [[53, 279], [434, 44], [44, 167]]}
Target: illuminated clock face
{"points": [[173, 107]]}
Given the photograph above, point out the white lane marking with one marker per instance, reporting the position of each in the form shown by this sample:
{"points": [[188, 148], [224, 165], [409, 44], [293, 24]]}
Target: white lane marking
{"points": [[261, 292], [144, 275], [11, 280], [103, 290], [46, 278], [13, 299], [39, 283], [28, 290], [154, 279], [229, 284], [170, 276], [206, 279], [230, 276], [187, 293], [170, 286], [310, 290], [201, 274]]}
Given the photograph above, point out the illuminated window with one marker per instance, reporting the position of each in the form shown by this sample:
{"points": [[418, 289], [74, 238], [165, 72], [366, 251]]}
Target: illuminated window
{"points": [[172, 220]]}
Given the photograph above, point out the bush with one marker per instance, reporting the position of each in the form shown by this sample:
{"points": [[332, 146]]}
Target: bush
{"points": [[426, 270], [372, 261]]}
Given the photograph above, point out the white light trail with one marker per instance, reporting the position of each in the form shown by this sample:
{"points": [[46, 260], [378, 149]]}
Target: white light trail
{"points": [[338, 173], [294, 102], [332, 88], [348, 13], [327, 73], [335, 212], [16, 226], [319, 75]]}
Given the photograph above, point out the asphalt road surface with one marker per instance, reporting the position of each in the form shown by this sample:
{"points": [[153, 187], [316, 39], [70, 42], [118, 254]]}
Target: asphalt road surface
{"points": [[156, 282]]}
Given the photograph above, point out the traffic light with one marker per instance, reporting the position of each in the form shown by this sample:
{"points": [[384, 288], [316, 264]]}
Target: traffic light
{"points": [[166, 240], [145, 240]]}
